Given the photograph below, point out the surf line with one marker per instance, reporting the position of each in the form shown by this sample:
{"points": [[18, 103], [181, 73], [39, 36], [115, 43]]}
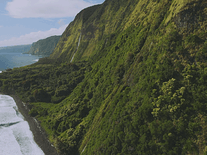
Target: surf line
{"points": [[76, 48]]}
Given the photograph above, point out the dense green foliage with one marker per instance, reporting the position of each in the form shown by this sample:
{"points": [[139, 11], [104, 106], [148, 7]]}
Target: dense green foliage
{"points": [[44, 82], [139, 89], [44, 46]]}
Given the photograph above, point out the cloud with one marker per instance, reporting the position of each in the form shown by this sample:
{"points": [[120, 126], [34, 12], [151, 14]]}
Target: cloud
{"points": [[45, 8], [32, 37], [1, 26]]}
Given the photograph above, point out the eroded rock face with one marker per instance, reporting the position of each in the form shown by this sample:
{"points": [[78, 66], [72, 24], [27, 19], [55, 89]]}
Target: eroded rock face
{"points": [[192, 15]]}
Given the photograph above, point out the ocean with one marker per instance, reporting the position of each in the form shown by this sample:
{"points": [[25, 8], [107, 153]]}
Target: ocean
{"points": [[15, 135], [15, 59]]}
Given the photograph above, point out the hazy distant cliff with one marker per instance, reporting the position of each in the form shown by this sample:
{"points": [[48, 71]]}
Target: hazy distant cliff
{"points": [[44, 46], [15, 49]]}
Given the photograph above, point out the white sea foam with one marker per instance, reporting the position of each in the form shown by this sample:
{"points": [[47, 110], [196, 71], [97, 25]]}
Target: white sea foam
{"points": [[8, 143], [8, 115], [16, 137], [25, 139], [36, 60]]}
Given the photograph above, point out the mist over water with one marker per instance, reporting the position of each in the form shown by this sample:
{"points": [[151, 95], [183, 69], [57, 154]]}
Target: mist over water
{"points": [[15, 135]]}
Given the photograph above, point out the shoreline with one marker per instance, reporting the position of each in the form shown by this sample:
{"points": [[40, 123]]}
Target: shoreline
{"points": [[39, 134]]}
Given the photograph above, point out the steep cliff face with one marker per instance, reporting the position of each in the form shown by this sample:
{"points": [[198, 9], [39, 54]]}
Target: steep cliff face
{"points": [[90, 27], [44, 47], [97, 23], [136, 84]]}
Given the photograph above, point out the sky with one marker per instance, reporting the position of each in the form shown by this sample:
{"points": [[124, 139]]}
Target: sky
{"points": [[26, 21]]}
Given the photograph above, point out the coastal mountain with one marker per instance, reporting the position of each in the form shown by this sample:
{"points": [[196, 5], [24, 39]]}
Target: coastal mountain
{"points": [[44, 46], [15, 49], [126, 77]]}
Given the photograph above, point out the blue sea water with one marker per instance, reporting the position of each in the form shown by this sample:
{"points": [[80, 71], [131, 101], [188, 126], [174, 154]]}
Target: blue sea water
{"points": [[13, 60]]}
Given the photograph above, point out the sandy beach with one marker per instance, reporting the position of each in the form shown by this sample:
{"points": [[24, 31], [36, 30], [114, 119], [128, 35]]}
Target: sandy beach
{"points": [[40, 136]]}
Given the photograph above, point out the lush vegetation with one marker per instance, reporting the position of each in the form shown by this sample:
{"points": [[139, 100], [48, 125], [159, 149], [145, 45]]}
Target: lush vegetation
{"points": [[139, 89], [44, 46]]}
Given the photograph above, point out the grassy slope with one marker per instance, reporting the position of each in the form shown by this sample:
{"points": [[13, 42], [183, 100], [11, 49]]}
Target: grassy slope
{"points": [[143, 88]]}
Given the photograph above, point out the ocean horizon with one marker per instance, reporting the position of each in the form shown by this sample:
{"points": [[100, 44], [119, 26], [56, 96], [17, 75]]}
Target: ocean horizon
{"points": [[12, 60]]}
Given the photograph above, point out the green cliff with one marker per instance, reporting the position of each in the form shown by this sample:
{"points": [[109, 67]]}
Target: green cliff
{"points": [[44, 46], [126, 77]]}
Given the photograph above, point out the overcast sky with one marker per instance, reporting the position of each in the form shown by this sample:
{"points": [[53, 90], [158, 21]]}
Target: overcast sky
{"points": [[27, 21]]}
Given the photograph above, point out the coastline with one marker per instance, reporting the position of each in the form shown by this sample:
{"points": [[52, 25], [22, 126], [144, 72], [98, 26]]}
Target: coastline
{"points": [[39, 134]]}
